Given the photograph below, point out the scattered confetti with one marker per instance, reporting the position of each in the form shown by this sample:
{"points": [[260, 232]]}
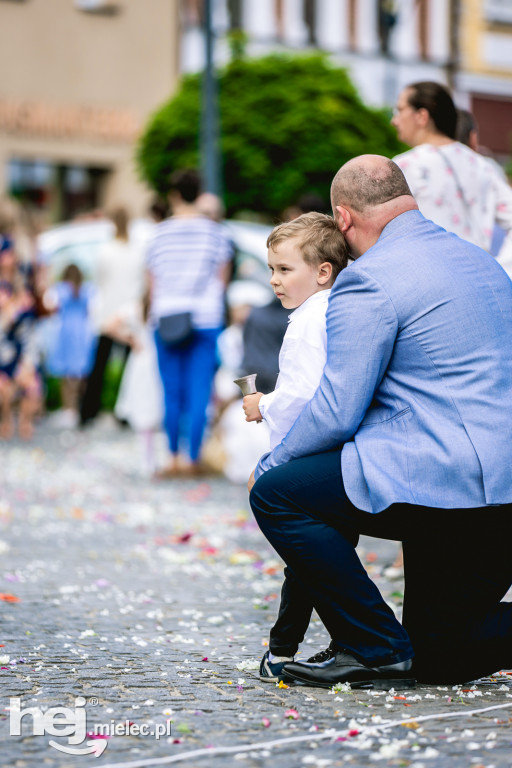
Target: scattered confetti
{"points": [[248, 665], [152, 588]]}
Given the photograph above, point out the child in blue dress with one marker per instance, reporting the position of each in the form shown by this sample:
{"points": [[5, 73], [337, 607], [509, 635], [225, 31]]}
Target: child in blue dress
{"points": [[70, 360]]}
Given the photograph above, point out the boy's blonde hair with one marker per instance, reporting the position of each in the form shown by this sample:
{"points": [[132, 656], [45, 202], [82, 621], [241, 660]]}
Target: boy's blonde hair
{"points": [[318, 238]]}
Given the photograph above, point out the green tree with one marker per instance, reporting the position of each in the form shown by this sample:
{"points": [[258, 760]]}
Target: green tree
{"points": [[287, 124]]}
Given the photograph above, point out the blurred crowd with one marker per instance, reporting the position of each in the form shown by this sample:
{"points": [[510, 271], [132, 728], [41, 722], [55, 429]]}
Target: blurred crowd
{"points": [[20, 306], [174, 317], [61, 333]]}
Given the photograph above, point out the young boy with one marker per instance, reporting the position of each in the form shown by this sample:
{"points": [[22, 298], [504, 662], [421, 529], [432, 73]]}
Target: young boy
{"points": [[305, 257]]}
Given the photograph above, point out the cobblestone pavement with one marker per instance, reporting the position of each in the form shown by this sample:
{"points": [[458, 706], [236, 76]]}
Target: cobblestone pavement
{"points": [[150, 603]]}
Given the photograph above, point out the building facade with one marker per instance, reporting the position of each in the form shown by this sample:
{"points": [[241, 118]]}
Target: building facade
{"points": [[385, 44], [484, 76], [78, 80]]}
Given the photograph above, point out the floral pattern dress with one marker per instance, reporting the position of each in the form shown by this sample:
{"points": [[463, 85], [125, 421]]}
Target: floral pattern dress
{"points": [[460, 190]]}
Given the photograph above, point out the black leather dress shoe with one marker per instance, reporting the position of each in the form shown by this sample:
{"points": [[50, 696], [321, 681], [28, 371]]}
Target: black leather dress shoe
{"points": [[328, 653], [341, 667]]}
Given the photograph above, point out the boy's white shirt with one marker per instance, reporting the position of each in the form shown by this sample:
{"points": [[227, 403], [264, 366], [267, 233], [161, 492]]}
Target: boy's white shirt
{"points": [[301, 363]]}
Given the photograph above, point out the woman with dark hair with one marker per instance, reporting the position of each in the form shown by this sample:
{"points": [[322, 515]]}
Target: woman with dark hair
{"points": [[436, 100], [453, 185]]}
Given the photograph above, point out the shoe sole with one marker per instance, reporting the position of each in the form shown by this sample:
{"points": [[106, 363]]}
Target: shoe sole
{"points": [[400, 684], [277, 679]]}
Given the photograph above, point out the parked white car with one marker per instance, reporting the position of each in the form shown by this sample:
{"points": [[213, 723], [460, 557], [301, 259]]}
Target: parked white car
{"points": [[79, 242]]}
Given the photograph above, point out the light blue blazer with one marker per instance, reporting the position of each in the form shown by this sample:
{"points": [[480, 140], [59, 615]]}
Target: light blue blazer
{"points": [[418, 379]]}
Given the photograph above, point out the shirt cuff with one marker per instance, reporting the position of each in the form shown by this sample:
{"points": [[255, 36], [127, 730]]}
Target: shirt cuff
{"points": [[264, 402]]}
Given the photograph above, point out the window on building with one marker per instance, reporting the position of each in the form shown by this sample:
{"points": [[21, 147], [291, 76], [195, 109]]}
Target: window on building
{"points": [[60, 192], [387, 16], [309, 13], [105, 7], [192, 12], [235, 14], [498, 11], [30, 181]]}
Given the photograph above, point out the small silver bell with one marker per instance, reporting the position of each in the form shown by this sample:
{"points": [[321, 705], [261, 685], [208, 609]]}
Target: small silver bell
{"points": [[247, 384]]}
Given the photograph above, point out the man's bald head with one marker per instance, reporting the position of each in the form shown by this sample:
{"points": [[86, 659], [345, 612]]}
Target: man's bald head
{"points": [[366, 182]]}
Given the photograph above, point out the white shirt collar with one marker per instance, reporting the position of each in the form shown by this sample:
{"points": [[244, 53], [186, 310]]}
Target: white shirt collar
{"points": [[320, 297]]}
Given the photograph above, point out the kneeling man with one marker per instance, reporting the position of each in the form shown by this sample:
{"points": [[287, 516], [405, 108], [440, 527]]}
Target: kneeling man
{"points": [[408, 437]]}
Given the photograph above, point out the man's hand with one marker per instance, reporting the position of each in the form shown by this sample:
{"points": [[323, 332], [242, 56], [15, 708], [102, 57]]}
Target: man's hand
{"points": [[251, 481], [250, 406]]}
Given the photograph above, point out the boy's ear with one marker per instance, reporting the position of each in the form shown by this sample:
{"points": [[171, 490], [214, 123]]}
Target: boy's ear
{"points": [[344, 218], [324, 273]]}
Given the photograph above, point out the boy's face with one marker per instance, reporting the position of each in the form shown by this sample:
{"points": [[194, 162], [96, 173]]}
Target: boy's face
{"points": [[293, 280]]}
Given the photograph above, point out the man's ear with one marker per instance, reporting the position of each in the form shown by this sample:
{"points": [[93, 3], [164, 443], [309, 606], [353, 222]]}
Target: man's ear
{"points": [[324, 273], [344, 220]]}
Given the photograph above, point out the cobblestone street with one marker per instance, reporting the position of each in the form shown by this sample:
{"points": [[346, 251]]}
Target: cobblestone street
{"points": [[150, 603]]}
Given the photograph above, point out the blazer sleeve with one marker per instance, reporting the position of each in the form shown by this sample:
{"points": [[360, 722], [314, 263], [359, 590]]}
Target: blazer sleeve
{"points": [[362, 326], [503, 218]]}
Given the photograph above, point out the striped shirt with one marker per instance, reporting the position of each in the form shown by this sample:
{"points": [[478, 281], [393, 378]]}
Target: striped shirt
{"points": [[184, 260]]}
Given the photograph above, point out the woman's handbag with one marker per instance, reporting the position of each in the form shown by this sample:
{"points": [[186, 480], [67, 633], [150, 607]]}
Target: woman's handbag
{"points": [[176, 330]]}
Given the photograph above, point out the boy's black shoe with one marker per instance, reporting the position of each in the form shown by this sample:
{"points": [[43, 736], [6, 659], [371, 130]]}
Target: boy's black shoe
{"points": [[325, 655], [272, 671]]}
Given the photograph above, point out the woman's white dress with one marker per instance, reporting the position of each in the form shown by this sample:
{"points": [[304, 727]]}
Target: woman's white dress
{"points": [[140, 400]]}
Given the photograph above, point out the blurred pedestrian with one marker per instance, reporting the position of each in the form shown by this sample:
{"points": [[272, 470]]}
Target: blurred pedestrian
{"points": [[211, 206], [140, 400], [158, 210], [119, 281], [263, 336], [467, 133], [234, 446], [453, 185], [307, 203], [18, 226], [71, 357], [19, 377], [467, 130], [188, 263], [20, 355], [241, 297]]}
